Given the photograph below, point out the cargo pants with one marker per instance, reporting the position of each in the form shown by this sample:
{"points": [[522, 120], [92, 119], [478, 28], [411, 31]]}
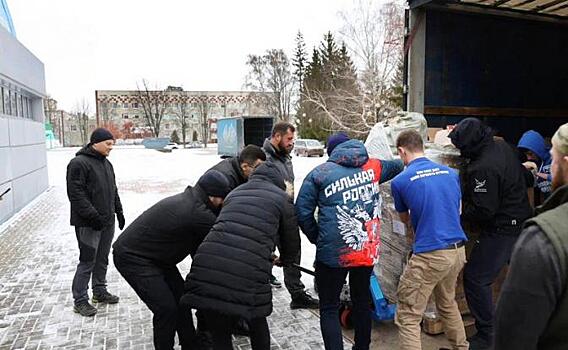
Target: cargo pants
{"points": [[432, 272]]}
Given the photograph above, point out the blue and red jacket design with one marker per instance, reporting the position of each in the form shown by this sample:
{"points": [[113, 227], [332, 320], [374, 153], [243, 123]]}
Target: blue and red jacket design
{"points": [[345, 190]]}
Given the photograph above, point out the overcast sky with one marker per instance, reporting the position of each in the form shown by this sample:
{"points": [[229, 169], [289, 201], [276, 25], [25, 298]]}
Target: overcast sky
{"points": [[197, 44]]}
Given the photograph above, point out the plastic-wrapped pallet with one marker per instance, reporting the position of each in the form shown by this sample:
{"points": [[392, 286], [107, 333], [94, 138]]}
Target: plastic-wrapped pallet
{"points": [[395, 247]]}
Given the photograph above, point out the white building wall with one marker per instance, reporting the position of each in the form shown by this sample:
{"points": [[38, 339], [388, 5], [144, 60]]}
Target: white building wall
{"points": [[23, 160]]}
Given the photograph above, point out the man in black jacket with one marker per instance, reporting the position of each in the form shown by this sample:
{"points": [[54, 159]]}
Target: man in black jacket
{"points": [[278, 148], [229, 277], [238, 169], [532, 312], [93, 194], [495, 197], [147, 252]]}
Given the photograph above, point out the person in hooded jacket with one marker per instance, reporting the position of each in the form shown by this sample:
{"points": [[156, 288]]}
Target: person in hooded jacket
{"points": [[147, 252], [92, 192], [532, 312], [538, 160], [345, 189], [229, 276], [495, 198], [238, 170]]}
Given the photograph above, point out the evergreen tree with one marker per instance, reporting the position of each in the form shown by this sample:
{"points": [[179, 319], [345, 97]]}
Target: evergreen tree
{"points": [[174, 137], [300, 60]]}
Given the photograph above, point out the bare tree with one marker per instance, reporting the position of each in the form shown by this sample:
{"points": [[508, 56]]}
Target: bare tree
{"points": [[204, 110], [271, 75], [181, 111], [81, 114], [374, 34], [341, 108], [153, 103]]}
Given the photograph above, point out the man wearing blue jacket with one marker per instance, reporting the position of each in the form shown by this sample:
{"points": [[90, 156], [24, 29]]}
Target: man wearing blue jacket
{"points": [[533, 146], [345, 189]]}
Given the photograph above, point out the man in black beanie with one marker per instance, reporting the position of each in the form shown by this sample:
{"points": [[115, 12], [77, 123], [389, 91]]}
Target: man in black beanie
{"points": [[92, 191], [147, 252]]}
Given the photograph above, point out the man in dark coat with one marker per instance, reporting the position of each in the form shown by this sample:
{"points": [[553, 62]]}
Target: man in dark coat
{"points": [[278, 148], [92, 191], [532, 312], [495, 197], [147, 252], [229, 276], [238, 169]]}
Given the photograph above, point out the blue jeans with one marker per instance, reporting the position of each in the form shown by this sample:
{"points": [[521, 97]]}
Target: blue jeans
{"points": [[330, 281]]}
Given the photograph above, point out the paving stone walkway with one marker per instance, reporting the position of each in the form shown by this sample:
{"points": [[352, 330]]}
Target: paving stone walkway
{"points": [[38, 256]]}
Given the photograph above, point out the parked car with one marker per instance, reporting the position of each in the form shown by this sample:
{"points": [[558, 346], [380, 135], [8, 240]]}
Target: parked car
{"points": [[172, 145], [308, 147]]}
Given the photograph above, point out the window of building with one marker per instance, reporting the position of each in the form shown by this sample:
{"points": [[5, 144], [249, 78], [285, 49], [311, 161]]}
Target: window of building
{"points": [[125, 116], [20, 106], [135, 105], [73, 127], [7, 104], [126, 105], [14, 103], [25, 107], [136, 116], [2, 109], [167, 126], [115, 105]]}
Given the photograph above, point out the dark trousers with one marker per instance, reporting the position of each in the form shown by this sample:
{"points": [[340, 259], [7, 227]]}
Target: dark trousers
{"points": [[220, 327], [160, 289], [94, 248], [330, 281], [490, 253], [292, 278]]}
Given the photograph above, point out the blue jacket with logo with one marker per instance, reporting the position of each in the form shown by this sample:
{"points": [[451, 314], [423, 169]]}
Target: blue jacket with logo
{"points": [[533, 141], [345, 189]]}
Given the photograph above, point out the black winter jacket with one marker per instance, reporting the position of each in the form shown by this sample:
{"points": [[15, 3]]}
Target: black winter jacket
{"points": [[170, 230], [231, 168], [283, 162], [91, 188], [231, 270], [495, 190]]}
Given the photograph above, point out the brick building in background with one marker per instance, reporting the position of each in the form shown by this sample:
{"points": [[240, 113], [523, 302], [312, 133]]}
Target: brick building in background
{"points": [[123, 111]]}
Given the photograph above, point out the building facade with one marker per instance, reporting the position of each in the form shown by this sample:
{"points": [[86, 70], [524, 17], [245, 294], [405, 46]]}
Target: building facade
{"points": [[23, 160], [126, 110], [67, 129]]}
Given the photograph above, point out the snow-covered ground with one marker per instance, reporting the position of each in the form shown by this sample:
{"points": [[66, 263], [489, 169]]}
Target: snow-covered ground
{"points": [[145, 176]]}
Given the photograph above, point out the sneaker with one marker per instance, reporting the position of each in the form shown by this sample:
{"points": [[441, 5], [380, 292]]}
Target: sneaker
{"points": [[304, 301], [85, 309], [105, 297], [274, 282]]}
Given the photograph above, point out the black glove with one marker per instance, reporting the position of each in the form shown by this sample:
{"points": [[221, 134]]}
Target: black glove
{"points": [[121, 220], [98, 223]]}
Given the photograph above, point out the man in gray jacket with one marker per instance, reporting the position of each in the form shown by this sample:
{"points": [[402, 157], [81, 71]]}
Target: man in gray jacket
{"points": [[278, 148]]}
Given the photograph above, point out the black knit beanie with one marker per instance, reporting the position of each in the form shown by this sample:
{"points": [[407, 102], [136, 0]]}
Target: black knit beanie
{"points": [[100, 135], [214, 183]]}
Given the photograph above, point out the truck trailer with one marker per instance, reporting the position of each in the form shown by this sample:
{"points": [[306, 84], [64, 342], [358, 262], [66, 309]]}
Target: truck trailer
{"points": [[502, 61], [236, 132]]}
